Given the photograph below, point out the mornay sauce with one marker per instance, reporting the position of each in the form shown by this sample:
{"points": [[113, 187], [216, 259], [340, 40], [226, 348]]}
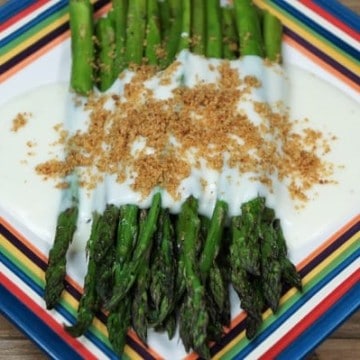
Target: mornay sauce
{"points": [[32, 204]]}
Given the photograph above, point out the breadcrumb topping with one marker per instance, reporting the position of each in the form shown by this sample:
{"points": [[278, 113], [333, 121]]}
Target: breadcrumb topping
{"points": [[156, 142], [20, 121]]}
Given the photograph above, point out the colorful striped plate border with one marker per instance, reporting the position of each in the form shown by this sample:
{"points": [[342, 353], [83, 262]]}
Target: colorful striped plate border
{"points": [[328, 36]]}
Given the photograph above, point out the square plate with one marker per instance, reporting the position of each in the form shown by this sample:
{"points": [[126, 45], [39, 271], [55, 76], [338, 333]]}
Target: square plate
{"points": [[321, 37]]}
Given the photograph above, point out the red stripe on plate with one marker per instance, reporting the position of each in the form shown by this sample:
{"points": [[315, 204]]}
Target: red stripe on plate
{"points": [[331, 18], [45, 317], [311, 317], [22, 14]]}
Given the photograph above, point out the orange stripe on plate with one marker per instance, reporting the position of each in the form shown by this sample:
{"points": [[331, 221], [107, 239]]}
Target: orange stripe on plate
{"points": [[322, 63], [35, 250], [151, 351], [34, 56], [43, 50], [328, 242]]}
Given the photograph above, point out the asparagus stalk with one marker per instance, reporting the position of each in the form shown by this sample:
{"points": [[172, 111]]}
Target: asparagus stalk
{"points": [[139, 305], [270, 266], [120, 16], [245, 284], [101, 239], [247, 233], [198, 35], [126, 235], [172, 45], [216, 285], [135, 31], [165, 18], [106, 233], [82, 46], [248, 26], [162, 281], [131, 269], [104, 250], [214, 236], [214, 38], [56, 271], [89, 302], [230, 47], [105, 280], [272, 34], [119, 318], [105, 36], [188, 232], [288, 270], [153, 35], [82, 51], [185, 25], [118, 323]]}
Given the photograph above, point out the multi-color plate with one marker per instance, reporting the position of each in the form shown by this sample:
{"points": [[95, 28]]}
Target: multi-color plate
{"points": [[321, 36]]}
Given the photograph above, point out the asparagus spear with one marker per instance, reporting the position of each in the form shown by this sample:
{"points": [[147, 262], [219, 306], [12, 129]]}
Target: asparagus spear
{"points": [[162, 281], [165, 18], [139, 305], [188, 232], [120, 17], [247, 233], [185, 323], [216, 285], [243, 282], [106, 233], [185, 25], [215, 329], [126, 236], [89, 302], [105, 35], [101, 239], [82, 46], [56, 271], [270, 266], [248, 26], [198, 35], [230, 46], [118, 323], [130, 270], [214, 236], [104, 283], [119, 318], [288, 270], [172, 44], [272, 34], [135, 31], [104, 250], [214, 38], [153, 35]]}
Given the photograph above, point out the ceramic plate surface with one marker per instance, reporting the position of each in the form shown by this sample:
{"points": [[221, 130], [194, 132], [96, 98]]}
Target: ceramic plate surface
{"points": [[320, 36]]}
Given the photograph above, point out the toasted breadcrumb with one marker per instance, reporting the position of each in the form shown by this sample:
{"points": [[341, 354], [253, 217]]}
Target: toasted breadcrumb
{"points": [[20, 121], [205, 123]]}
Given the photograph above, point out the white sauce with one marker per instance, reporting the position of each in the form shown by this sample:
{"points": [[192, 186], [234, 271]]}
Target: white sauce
{"points": [[33, 204]]}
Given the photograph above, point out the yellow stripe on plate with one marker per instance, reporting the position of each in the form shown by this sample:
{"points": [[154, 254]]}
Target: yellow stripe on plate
{"points": [[33, 39]]}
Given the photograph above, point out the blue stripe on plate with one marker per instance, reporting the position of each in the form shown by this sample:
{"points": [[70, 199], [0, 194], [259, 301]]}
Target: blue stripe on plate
{"points": [[37, 330], [42, 16], [300, 302], [11, 7], [355, 53], [341, 12], [323, 326], [59, 308]]}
